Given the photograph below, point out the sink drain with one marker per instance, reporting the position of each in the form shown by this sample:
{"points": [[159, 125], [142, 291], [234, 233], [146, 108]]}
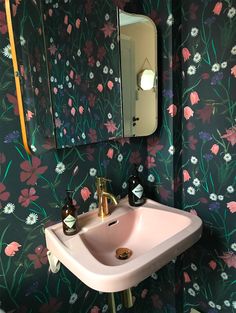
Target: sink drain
{"points": [[123, 253]]}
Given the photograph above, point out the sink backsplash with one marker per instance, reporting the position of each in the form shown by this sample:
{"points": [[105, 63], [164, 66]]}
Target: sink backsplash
{"points": [[192, 169]]}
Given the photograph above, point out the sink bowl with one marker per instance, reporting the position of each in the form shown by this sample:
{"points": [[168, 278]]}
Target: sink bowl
{"points": [[154, 234]]}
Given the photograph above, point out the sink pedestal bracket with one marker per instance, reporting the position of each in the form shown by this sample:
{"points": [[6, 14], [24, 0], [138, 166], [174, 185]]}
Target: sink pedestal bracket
{"points": [[127, 298], [111, 303]]}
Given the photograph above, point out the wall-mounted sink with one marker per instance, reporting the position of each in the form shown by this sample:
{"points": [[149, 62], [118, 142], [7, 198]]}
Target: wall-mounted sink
{"points": [[154, 233]]}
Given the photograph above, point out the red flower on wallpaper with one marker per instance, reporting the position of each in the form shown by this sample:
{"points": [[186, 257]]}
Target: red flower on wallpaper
{"points": [[232, 206], [192, 141], [217, 8], [186, 175], [12, 99], [92, 135], [40, 256], [229, 259], [154, 16], [186, 54], [31, 170], [230, 135], [205, 113], [4, 195], [153, 145], [101, 53], [187, 279], [108, 29], [89, 152], [3, 23], [91, 100], [172, 109], [2, 158], [150, 162], [27, 195], [88, 49], [52, 307], [135, 157], [111, 126]]}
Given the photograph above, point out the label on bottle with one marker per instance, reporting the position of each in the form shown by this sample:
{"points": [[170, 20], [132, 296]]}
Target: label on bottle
{"points": [[70, 221], [138, 191]]}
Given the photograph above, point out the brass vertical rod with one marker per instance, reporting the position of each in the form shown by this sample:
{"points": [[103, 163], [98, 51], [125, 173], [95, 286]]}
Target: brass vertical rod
{"points": [[111, 302], [127, 298]]}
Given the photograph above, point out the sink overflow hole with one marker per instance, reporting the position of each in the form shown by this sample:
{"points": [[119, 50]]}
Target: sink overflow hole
{"points": [[113, 223]]}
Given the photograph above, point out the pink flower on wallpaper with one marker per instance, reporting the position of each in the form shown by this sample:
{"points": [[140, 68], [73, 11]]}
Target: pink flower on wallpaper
{"points": [[172, 109], [3, 23], [40, 256], [186, 54], [81, 109], [150, 162], [58, 122], [110, 153], [144, 293], [110, 84], [215, 149], [27, 196], [100, 87], [85, 193], [55, 90], [229, 259], [123, 141], [232, 206], [4, 195], [153, 145], [111, 126], [71, 74], [31, 170], [186, 278], [52, 307], [73, 111], [188, 112], [95, 309], [135, 157], [12, 248], [233, 71], [194, 97], [69, 29], [29, 115], [70, 102], [212, 264], [52, 49], [108, 29], [88, 48], [50, 12], [77, 23], [186, 175], [2, 158], [230, 135], [77, 79], [66, 20], [217, 8]]}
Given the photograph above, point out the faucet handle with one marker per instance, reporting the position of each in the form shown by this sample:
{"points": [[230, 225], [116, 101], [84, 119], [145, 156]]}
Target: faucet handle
{"points": [[101, 182]]}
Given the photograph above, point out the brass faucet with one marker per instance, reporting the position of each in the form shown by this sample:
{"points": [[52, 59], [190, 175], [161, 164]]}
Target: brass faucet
{"points": [[103, 195]]}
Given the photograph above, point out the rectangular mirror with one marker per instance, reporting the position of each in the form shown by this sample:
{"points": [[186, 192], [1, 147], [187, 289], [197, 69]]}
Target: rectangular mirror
{"points": [[67, 61]]}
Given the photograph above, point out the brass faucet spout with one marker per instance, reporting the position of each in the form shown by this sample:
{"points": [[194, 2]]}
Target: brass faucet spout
{"points": [[103, 195]]}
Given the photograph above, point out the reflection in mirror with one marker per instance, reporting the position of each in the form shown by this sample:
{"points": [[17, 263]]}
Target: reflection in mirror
{"points": [[138, 44]]}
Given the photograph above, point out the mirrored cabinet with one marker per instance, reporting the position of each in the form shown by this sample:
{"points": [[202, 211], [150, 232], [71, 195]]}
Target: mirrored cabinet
{"points": [[81, 71]]}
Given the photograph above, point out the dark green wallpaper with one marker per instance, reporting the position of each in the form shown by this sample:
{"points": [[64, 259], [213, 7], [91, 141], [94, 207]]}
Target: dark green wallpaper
{"points": [[189, 162]]}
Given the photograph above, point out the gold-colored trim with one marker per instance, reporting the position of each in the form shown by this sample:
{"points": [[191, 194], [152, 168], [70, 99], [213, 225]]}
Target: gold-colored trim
{"points": [[16, 76]]}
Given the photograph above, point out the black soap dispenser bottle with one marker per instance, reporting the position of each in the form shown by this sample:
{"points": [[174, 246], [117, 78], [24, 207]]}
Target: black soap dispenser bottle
{"points": [[69, 215], [135, 190]]}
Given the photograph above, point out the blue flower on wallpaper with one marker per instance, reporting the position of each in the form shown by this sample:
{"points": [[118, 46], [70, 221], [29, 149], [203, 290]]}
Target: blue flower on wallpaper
{"points": [[9, 138]]}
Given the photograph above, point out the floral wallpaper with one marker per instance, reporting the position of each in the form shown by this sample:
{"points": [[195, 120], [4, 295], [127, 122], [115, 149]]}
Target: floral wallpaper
{"points": [[189, 162], [74, 49]]}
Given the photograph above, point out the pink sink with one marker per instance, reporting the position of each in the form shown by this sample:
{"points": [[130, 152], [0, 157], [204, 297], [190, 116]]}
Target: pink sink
{"points": [[154, 233]]}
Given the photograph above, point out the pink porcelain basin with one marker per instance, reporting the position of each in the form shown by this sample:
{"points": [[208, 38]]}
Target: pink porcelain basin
{"points": [[154, 233]]}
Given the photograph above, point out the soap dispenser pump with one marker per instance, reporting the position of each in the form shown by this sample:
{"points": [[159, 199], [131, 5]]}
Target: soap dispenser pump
{"points": [[69, 215], [135, 190]]}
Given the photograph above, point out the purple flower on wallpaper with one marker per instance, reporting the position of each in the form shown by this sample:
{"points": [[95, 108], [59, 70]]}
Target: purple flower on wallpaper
{"points": [[217, 78], [208, 156], [205, 136], [209, 21], [214, 206], [12, 137], [168, 93]]}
